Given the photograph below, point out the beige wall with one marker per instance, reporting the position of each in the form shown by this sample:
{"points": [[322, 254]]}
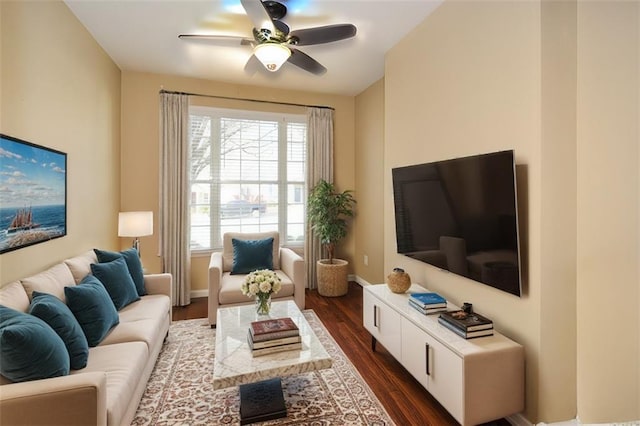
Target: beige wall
{"points": [[557, 209], [608, 214], [553, 82], [140, 144], [369, 223], [473, 86], [60, 90]]}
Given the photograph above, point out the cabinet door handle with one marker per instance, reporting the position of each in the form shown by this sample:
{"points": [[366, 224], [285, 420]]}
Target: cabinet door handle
{"points": [[375, 316], [426, 358]]}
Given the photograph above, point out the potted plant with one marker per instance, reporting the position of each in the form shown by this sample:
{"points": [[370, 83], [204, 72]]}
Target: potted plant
{"points": [[328, 211]]}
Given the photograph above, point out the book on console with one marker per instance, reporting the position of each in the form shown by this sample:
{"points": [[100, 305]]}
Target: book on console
{"points": [[272, 342], [466, 334], [426, 311], [431, 300], [276, 328], [276, 349], [467, 321]]}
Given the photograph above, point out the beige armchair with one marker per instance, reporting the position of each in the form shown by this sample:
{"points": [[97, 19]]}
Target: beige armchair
{"points": [[224, 288]]}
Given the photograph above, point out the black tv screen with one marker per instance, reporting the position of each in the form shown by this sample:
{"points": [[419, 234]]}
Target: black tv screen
{"points": [[461, 215]]}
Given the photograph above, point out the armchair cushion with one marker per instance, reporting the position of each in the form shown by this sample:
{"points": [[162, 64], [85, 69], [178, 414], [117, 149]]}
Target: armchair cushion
{"points": [[227, 246], [251, 255]]}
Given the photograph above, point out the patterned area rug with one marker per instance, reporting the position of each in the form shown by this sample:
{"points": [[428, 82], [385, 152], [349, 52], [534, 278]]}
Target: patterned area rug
{"points": [[180, 389]]}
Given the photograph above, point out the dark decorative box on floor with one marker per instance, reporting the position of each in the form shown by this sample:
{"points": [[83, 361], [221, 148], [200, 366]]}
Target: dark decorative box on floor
{"points": [[261, 401]]}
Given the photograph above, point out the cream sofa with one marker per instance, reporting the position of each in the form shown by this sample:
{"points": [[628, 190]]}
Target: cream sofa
{"points": [[108, 390], [224, 288]]}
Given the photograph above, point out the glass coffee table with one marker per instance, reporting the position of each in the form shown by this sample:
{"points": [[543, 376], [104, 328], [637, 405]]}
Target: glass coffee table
{"points": [[261, 395]]}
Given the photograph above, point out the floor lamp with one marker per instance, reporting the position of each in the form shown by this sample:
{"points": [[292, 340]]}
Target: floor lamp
{"points": [[136, 225]]}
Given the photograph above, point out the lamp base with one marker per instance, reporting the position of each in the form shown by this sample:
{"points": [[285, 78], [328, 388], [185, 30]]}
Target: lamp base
{"points": [[136, 245]]}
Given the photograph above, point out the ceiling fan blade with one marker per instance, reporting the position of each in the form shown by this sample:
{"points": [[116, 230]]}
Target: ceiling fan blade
{"points": [[219, 39], [320, 35], [258, 15], [306, 62]]}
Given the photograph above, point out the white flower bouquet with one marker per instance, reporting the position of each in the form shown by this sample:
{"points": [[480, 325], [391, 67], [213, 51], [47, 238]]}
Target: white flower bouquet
{"points": [[261, 284]]}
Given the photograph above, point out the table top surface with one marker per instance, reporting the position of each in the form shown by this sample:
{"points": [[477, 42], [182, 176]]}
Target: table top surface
{"points": [[235, 365]]}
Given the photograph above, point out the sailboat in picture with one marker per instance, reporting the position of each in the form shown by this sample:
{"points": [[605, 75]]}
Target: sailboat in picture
{"points": [[22, 221]]}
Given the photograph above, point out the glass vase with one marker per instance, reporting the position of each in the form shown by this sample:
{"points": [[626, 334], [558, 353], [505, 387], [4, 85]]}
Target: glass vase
{"points": [[263, 303]]}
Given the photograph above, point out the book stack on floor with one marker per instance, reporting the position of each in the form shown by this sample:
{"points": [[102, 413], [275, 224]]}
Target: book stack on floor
{"points": [[428, 303], [273, 335], [467, 325]]}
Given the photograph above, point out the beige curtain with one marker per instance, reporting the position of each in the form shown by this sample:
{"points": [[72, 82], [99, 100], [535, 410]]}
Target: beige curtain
{"points": [[175, 250], [319, 166]]}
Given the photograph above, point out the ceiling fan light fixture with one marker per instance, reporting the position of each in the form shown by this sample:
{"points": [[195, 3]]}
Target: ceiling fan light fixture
{"points": [[272, 55]]}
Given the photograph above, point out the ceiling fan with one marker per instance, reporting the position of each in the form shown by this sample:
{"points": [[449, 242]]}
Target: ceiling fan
{"points": [[273, 43]]}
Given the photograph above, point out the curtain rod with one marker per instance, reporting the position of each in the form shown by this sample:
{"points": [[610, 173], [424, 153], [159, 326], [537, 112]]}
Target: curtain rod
{"points": [[246, 99]]}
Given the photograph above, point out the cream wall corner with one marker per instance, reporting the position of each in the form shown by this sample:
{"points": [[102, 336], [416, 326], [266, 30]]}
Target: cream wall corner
{"points": [[369, 160], [60, 90], [608, 220]]}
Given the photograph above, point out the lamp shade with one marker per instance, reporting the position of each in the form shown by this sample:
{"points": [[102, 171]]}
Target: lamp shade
{"points": [[272, 55], [135, 224]]}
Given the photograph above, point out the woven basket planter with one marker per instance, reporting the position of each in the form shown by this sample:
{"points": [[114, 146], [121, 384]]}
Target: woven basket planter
{"points": [[332, 277]]}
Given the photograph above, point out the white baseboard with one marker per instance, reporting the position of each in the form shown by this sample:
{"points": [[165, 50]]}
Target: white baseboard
{"points": [[518, 420], [199, 293], [359, 280], [577, 422]]}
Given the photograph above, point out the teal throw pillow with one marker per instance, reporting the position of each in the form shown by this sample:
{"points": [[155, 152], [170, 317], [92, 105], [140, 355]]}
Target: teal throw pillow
{"points": [[93, 308], [251, 255], [29, 348], [132, 258], [54, 312], [116, 279]]}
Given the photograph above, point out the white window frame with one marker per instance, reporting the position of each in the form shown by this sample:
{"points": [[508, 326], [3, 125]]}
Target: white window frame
{"points": [[214, 200]]}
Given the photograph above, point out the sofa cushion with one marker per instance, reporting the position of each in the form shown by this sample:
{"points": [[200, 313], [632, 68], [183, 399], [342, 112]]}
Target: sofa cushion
{"points": [[14, 296], [80, 266], [132, 259], [30, 349], [117, 280], [252, 255], [52, 281], [123, 364], [152, 306], [227, 246], [93, 308], [141, 321], [51, 310], [230, 288]]}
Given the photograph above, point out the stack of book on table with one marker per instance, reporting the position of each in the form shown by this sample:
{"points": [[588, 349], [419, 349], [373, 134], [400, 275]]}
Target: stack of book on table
{"points": [[273, 335], [467, 325], [427, 303]]}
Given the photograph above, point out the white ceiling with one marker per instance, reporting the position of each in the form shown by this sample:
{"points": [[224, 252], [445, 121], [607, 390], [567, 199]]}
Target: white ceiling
{"points": [[142, 35]]}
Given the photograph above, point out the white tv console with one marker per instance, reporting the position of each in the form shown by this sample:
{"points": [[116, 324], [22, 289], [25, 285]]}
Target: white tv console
{"points": [[476, 380]]}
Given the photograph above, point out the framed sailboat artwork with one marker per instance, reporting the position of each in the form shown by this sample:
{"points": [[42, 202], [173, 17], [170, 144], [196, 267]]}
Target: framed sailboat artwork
{"points": [[33, 194]]}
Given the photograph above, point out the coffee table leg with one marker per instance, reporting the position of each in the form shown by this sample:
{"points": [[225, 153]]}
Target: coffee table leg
{"points": [[262, 401]]}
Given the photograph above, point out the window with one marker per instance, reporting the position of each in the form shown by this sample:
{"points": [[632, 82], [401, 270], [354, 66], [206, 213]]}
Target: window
{"points": [[247, 175]]}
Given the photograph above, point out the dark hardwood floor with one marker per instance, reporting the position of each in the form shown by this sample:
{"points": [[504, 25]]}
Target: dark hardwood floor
{"points": [[406, 401]]}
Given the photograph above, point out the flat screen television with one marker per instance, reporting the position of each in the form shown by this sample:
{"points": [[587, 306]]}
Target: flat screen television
{"points": [[461, 215]]}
